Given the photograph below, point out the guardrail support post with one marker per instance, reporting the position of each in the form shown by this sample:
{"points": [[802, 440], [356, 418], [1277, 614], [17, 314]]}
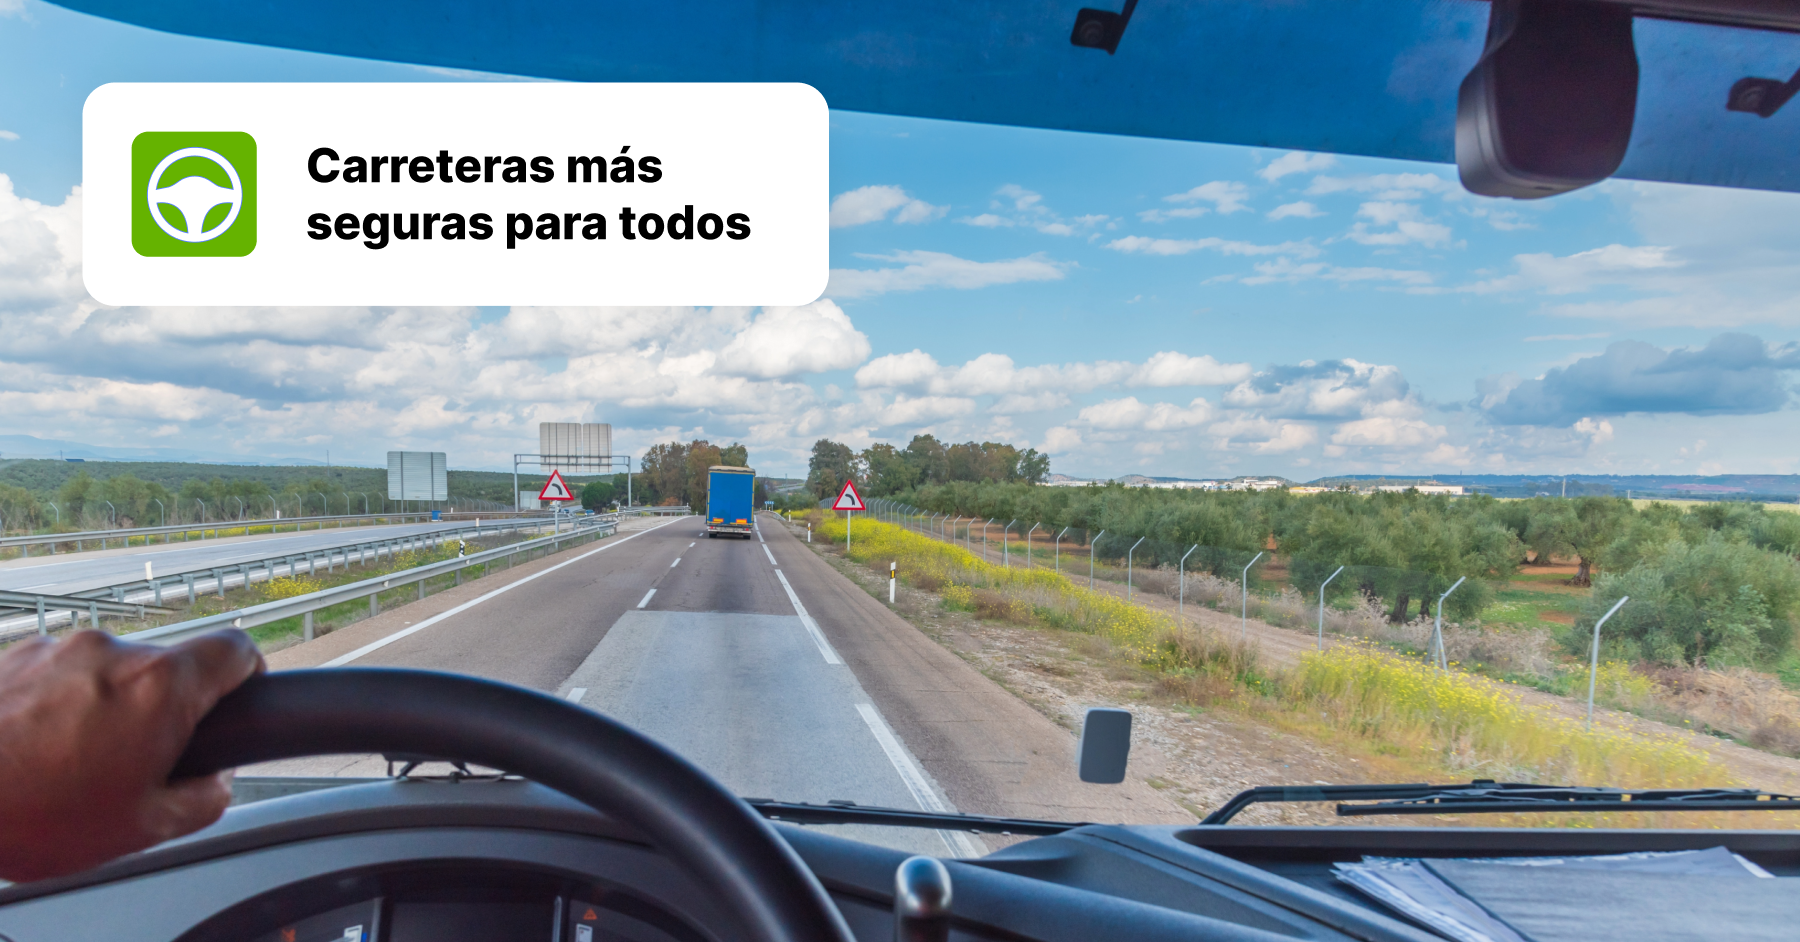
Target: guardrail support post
{"points": [[374, 604], [43, 628], [93, 615], [306, 622], [190, 587]]}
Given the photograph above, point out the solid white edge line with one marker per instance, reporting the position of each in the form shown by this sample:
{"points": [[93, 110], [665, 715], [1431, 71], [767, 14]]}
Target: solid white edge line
{"points": [[913, 777], [771, 556], [373, 646], [646, 599], [812, 627], [575, 695]]}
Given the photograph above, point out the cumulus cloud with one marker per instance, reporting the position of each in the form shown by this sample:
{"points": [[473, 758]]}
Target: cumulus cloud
{"points": [[1394, 223], [6, 135], [1297, 210], [997, 374], [1734, 374], [1328, 389], [1296, 162], [873, 203], [1129, 413], [1262, 435], [1060, 439], [1224, 196], [1172, 368], [1387, 186], [920, 269], [1147, 246], [785, 341], [1014, 205]]}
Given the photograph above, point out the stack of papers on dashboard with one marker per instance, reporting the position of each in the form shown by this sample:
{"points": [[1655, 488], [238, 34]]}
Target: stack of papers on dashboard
{"points": [[1642, 896]]}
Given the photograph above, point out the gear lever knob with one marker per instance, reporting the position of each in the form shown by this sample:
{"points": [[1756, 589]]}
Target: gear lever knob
{"points": [[921, 901]]}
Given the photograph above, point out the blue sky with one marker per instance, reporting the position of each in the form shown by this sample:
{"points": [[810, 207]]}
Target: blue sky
{"points": [[1127, 305]]}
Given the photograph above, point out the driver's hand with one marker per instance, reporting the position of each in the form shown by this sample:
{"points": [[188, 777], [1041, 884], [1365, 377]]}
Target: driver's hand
{"points": [[90, 728]]}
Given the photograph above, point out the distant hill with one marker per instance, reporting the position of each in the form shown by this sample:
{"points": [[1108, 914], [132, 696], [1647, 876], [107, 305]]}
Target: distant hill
{"points": [[1776, 487], [30, 446]]}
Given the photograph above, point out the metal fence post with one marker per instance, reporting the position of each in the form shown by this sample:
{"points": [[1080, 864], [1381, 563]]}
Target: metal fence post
{"points": [[1444, 661], [1091, 543], [1322, 586], [1244, 596], [1594, 665], [1128, 553], [1181, 580]]}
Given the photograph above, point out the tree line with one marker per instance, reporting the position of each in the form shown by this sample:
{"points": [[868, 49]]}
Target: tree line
{"points": [[1717, 584], [881, 469]]}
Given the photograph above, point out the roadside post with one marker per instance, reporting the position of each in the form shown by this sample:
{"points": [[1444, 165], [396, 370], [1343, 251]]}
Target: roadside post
{"points": [[1244, 596], [848, 501], [1438, 632], [1059, 537], [1181, 580], [1594, 662], [1028, 533], [1322, 586], [1006, 544], [1091, 543], [893, 575], [1128, 553]]}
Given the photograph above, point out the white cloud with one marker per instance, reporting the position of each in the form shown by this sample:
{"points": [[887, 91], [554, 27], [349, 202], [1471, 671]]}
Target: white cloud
{"points": [[784, 341], [1409, 226], [1129, 413], [1331, 389], [1388, 186], [1061, 439], [1164, 215], [1299, 210], [6, 135], [1608, 265], [872, 204], [1016, 206], [1019, 403], [1226, 196], [898, 371], [1296, 162], [921, 269], [1262, 435], [1387, 431], [1149, 246], [1172, 368], [1287, 270]]}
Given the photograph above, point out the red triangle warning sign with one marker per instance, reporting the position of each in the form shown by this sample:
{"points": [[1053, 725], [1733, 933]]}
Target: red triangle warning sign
{"points": [[848, 499], [556, 488], [590, 915]]}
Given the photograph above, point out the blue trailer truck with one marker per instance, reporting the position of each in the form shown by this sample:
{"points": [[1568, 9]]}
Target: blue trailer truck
{"points": [[728, 496]]}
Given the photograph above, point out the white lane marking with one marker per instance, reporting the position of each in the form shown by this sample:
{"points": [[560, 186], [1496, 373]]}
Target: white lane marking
{"points": [[677, 562], [771, 556], [396, 636], [914, 777], [646, 600], [691, 545], [574, 696], [812, 627]]}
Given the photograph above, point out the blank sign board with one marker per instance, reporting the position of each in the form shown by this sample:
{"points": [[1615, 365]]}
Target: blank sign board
{"points": [[417, 475]]}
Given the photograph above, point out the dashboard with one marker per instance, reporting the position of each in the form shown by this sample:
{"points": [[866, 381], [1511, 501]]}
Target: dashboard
{"points": [[510, 861]]}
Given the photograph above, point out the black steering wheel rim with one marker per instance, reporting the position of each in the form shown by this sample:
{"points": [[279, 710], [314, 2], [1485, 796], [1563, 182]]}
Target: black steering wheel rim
{"points": [[684, 812]]}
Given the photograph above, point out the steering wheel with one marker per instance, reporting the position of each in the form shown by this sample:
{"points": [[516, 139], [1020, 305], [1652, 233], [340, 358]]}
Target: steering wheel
{"points": [[684, 812]]}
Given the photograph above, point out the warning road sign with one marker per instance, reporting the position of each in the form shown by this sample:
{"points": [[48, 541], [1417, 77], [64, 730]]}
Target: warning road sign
{"points": [[555, 488], [848, 499]]}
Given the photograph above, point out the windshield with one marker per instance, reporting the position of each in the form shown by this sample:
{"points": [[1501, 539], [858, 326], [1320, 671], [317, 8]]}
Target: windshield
{"points": [[1325, 469]]}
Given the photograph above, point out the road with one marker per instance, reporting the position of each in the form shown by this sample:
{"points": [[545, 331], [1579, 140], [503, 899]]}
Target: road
{"points": [[756, 660], [66, 573]]}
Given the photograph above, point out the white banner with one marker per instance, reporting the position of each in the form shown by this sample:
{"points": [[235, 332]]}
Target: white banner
{"points": [[455, 194]]}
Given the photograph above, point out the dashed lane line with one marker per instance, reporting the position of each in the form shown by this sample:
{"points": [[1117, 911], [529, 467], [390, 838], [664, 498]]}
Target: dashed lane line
{"points": [[374, 646], [646, 600]]}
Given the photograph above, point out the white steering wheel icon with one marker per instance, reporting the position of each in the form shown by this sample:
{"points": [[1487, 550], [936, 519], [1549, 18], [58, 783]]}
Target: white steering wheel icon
{"points": [[195, 196]]}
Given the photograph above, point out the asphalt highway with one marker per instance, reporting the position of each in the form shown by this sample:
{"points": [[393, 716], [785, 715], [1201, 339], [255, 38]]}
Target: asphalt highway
{"points": [[757, 661], [66, 573]]}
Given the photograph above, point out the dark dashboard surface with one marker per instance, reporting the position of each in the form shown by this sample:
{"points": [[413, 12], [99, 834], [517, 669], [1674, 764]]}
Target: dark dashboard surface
{"points": [[431, 861]]}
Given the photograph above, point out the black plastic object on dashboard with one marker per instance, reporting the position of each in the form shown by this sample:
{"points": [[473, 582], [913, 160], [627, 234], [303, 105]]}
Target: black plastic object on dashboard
{"points": [[1550, 105]]}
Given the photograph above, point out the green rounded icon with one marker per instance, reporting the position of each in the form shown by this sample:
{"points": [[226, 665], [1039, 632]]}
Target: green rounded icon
{"points": [[193, 193]]}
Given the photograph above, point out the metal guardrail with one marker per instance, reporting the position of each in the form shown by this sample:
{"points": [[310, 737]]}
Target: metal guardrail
{"points": [[217, 527], [682, 510], [131, 596], [587, 528]]}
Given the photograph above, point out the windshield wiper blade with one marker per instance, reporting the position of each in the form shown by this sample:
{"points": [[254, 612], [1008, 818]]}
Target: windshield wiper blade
{"points": [[1484, 795], [849, 812]]}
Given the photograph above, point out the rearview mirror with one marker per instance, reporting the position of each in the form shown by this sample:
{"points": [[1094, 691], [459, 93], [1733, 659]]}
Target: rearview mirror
{"points": [[1105, 745]]}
